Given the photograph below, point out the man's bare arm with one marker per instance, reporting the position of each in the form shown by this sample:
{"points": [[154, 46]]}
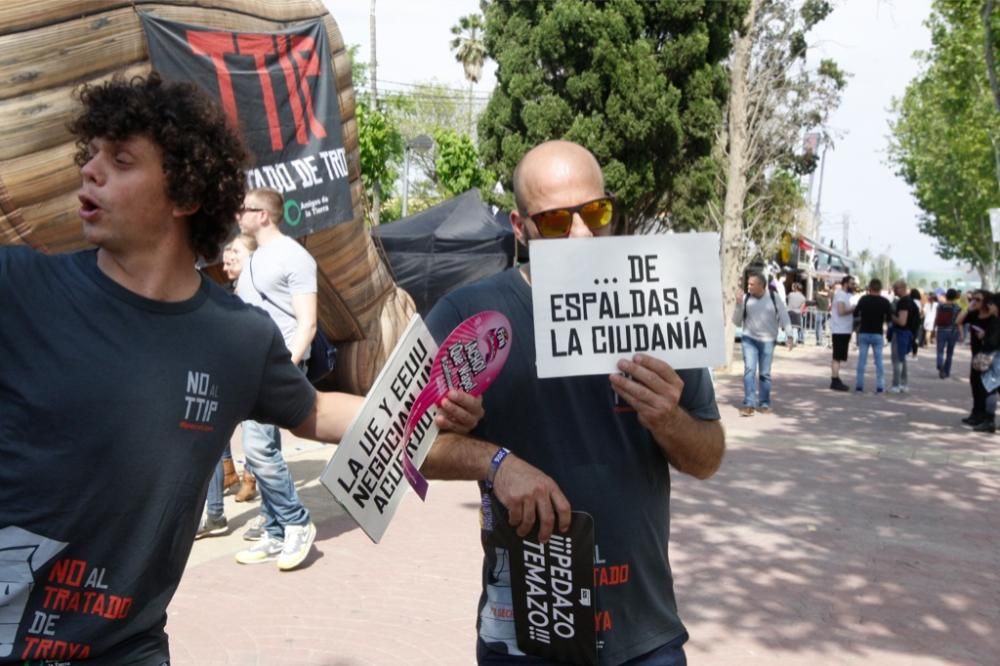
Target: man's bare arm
{"points": [[331, 414], [304, 307], [528, 493], [693, 446]]}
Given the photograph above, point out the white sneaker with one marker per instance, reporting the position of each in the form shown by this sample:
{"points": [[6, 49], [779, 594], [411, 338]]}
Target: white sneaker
{"points": [[264, 550], [255, 529], [904, 389], [298, 540], [895, 389]]}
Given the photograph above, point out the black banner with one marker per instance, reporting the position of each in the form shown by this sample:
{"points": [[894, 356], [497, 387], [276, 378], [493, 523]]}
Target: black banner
{"points": [[279, 89], [552, 589]]}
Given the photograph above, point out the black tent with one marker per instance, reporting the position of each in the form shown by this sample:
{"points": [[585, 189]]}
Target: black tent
{"points": [[441, 248]]}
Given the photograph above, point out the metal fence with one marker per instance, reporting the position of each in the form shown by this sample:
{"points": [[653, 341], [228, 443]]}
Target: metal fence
{"points": [[812, 326]]}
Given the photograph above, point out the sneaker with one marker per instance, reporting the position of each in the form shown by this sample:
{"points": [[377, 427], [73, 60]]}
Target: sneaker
{"points": [[255, 529], [764, 410], [859, 389], [986, 426], [904, 389], [838, 385], [264, 550], [210, 526], [298, 541], [746, 411], [895, 389], [880, 390], [973, 419]]}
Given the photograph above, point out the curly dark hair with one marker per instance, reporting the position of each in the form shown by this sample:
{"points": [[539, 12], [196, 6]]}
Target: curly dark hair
{"points": [[203, 158]]}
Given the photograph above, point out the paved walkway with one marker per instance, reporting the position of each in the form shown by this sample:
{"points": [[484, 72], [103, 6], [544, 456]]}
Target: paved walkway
{"points": [[843, 529]]}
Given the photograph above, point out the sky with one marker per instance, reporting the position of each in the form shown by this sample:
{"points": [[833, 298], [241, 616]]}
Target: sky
{"points": [[873, 40]]}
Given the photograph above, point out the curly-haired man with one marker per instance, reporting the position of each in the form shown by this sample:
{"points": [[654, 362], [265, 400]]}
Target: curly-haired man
{"points": [[124, 374]]}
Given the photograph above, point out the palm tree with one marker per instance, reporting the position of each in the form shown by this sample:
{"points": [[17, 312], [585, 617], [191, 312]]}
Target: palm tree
{"points": [[470, 51]]}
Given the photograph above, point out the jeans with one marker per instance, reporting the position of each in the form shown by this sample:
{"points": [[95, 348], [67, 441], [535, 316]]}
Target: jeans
{"points": [[279, 502], [978, 392], [873, 340], [213, 503], [757, 357], [820, 325], [946, 339], [902, 340], [796, 320]]}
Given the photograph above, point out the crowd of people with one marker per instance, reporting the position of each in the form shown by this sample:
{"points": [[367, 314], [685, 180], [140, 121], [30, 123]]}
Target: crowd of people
{"points": [[901, 318], [114, 446]]}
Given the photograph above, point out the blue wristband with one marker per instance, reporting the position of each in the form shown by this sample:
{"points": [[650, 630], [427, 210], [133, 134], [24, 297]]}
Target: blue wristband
{"points": [[495, 465]]}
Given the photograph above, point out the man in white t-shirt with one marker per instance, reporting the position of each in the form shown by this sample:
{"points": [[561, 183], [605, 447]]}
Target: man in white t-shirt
{"points": [[841, 328], [280, 278]]}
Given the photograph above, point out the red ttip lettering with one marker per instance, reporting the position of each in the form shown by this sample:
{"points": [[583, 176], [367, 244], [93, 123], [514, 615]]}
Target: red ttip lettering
{"points": [[298, 59]]}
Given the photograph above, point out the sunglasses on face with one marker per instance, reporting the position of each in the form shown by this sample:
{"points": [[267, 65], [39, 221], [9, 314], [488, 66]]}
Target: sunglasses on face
{"points": [[556, 222]]}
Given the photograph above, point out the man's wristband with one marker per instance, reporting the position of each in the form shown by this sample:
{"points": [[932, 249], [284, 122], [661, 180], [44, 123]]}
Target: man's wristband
{"points": [[498, 458]]}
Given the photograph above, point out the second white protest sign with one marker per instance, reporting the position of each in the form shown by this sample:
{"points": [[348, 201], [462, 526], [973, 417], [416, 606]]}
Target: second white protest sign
{"points": [[597, 300]]}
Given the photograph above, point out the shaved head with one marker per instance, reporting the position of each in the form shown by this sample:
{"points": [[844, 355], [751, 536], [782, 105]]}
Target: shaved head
{"points": [[555, 166]]}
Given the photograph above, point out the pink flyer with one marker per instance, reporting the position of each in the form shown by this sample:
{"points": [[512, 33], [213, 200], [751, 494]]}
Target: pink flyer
{"points": [[468, 360]]}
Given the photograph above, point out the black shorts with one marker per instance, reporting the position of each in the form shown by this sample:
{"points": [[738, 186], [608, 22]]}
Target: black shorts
{"points": [[841, 341]]}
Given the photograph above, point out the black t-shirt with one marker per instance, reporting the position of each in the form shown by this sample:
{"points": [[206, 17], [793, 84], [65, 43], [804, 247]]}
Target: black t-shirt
{"points": [[605, 462], [990, 342], [114, 410], [913, 313], [874, 313], [972, 319]]}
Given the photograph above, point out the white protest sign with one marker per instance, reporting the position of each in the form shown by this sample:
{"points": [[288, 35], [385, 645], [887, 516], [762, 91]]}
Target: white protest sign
{"points": [[365, 474], [597, 300], [995, 223]]}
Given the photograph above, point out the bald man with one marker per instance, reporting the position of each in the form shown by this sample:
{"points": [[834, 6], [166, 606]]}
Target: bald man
{"points": [[598, 444]]}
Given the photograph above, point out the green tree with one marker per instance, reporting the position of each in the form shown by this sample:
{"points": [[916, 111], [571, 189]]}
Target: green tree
{"points": [[640, 84], [886, 270], [458, 166], [945, 140], [381, 147], [774, 99], [380, 144], [862, 262], [428, 108], [470, 51]]}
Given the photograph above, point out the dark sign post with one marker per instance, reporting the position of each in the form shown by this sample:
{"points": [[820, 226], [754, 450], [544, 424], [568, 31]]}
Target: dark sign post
{"points": [[552, 589], [279, 89]]}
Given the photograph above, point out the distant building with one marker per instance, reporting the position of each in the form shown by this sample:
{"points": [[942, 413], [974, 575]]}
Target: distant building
{"points": [[957, 279]]}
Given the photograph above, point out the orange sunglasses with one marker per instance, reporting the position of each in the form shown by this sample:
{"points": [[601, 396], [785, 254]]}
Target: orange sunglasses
{"points": [[556, 222]]}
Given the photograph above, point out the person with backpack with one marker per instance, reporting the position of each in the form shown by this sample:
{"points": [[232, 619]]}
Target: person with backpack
{"points": [[761, 313], [946, 331]]}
